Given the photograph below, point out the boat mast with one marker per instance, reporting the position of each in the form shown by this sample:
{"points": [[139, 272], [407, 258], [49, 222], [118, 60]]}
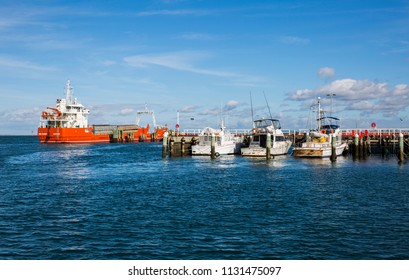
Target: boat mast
{"points": [[319, 114], [251, 104]]}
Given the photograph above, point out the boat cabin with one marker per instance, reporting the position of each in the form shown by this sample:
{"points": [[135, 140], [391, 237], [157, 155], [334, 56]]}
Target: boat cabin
{"points": [[264, 123], [329, 124]]}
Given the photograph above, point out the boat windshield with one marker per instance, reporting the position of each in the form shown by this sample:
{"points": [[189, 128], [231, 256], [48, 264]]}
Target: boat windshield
{"points": [[267, 122], [329, 123]]}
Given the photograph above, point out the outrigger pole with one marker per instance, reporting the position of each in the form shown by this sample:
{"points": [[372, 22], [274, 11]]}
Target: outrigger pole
{"points": [[267, 105]]}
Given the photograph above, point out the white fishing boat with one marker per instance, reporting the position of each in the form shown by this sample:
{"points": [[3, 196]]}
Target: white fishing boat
{"points": [[257, 146], [225, 142], [318, 141]]}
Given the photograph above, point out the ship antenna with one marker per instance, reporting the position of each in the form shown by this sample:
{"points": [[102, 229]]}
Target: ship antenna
{"points": [[267, 105]]}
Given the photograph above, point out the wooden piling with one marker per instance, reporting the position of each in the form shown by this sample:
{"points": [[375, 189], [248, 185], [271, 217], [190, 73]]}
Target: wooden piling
{"points": [[333, 148], [356, 146], [171, 148], [164, 144], [368, 145], [401, 148], [361, 148], [213, 147], [182, 146], [268, 146]]}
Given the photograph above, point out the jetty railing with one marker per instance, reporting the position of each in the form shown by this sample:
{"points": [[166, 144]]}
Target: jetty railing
{"points": [[235, 131], [378, 132]]}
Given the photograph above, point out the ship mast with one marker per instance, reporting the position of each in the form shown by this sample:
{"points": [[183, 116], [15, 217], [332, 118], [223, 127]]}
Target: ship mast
{"points": [[68, 89]]}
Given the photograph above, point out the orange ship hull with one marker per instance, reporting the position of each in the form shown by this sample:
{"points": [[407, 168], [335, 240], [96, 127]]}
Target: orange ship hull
{"points": [[70, 135]]}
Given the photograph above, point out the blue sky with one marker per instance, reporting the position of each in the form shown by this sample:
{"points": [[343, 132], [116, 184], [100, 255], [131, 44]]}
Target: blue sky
{"points": [[203, 57]]}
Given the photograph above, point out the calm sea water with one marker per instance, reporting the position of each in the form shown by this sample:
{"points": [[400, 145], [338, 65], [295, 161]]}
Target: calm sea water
{"points": [[123, 201]]}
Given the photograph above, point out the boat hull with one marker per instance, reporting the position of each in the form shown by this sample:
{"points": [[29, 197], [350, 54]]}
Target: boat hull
{"points": [[70, 135], [227, 149], [313, 150], [277, 149]]}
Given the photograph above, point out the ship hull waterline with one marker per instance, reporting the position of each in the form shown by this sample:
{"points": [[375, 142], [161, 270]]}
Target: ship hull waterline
{"points": [[70, 136]]}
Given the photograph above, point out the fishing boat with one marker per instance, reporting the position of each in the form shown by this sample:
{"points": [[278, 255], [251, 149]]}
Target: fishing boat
{"points": [[257, 140], [225, 142], [318, 141], [67, 122]]}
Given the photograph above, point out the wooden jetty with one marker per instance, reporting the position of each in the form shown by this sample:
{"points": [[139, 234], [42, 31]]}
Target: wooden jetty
{"points": [[361, 142], [177, 145]]}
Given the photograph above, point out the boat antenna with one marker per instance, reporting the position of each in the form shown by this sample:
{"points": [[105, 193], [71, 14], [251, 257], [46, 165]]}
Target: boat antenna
{"points": [[221, 116], [251, 104], [267, 105]]}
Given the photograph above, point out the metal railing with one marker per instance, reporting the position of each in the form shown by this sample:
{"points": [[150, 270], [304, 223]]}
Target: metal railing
{"points": [[347, 131]]}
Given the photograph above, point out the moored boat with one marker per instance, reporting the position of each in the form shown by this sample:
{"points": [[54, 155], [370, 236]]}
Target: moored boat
{"points": [[318, 141], [67, 122], [257, 143], [225, 142]]}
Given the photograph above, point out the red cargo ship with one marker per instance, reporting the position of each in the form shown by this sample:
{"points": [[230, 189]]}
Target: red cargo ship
{"points": [[67, 122]]}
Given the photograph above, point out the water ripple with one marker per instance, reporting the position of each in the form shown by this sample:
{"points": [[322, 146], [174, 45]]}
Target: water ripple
{"points": [[126, 202]]}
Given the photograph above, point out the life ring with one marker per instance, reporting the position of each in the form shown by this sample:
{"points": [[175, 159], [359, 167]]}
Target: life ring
{"points": [[216, 154], [323, 131]]}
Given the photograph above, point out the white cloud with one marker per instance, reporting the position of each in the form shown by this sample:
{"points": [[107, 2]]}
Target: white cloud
{"points": [[365, 96], [182, 61], [22, 64], [326, 72], [345, 89], [127, 111], [20, 115], [293, 40], [188, 109], [230, 105]]}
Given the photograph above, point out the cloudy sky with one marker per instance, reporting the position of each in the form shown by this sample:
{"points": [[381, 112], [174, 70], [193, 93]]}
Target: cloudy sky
{"points": [[205, 57]]}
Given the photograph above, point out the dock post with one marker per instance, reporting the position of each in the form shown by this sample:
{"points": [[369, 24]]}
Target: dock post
{"points": [[268, 146], [182, 146], [383, 146], [333, 148], [364, 148], [171, 146], [401, 150], [356, 144], [368, 145], [361, 148], [213, 147], [164, 144]]}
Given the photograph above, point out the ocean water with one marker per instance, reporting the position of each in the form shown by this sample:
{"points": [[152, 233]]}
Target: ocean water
{"points": [[123, 201]]}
